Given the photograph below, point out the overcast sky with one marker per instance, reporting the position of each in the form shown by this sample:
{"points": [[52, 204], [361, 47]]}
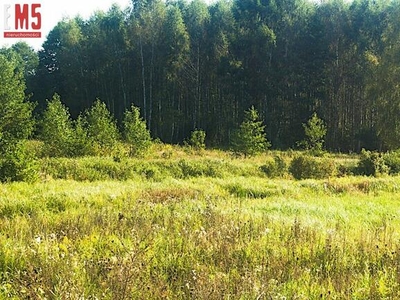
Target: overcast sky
{"points": [[52, 12]]}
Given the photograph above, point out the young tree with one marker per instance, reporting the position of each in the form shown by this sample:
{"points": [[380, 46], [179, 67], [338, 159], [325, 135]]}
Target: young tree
{"points": [[101, 127], [27, 60], [250, 138], [315, 131], [15, 113], [135, 132], [197, 140], [17, 163], [16, 124], [81, 144], [56, 128]]}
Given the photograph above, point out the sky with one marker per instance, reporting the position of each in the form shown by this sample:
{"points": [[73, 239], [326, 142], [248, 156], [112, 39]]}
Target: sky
{"points": [[52, 11]]}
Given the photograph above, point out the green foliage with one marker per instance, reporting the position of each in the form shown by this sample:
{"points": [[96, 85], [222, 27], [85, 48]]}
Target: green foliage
{"points": [[16, 124], [56, 129], [176, 42], [304, 167], [197, 140], [243, 189], [275, 167], [81, 142], [315, 131], [206, 168], [15, 113], [195, 63], [250, 139], [372, 164], [135, 132], [36, 147], [93, 169], [26, 60], [101, 128], [18, 164], [392, 160]]}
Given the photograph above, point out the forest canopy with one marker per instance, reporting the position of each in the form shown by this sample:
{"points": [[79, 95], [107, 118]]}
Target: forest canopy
{"points": [[190, 65]]}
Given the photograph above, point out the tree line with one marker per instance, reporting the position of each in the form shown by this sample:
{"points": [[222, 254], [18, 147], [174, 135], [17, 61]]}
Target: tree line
{"points": [[189, 65]]}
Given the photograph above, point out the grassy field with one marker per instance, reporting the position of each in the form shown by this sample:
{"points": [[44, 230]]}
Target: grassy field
{"points": [[184, 226]]}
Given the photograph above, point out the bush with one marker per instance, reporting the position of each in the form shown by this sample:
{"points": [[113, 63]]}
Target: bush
{"points": [[275, 167], [151, 172], [207, 168], [190, 168], [344, 170], [392, 161], [18, 164], [197, 140], [135, 132], [303, 167], [35, 147], [372, 164]]}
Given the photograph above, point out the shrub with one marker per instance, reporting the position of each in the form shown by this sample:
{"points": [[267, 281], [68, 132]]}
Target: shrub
{"points": [[190, 168], [135, 132], [372, 164], [250, 138], [151, 172], [18, 164], [197, 140], [274, 167], [344, 170], [392, 161], [303, 167], [207, 168], [35, 147]]}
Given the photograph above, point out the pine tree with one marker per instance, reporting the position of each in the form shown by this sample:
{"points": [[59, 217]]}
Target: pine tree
{"points": [[135, 132], [250, 139], [315, 131], [197, 140]]}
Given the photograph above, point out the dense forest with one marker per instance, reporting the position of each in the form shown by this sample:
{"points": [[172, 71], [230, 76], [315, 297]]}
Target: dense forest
{"points": [[192, 65]]}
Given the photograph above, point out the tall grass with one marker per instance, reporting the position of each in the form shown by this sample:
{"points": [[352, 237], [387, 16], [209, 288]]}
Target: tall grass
{"points": [[201, 237]]}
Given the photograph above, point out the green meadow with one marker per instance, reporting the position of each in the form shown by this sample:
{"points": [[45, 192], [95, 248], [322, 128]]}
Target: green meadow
{"points": [[180, 225]]}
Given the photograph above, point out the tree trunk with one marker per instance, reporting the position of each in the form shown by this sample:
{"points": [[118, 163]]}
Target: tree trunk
{"points": [[143, 78]]}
